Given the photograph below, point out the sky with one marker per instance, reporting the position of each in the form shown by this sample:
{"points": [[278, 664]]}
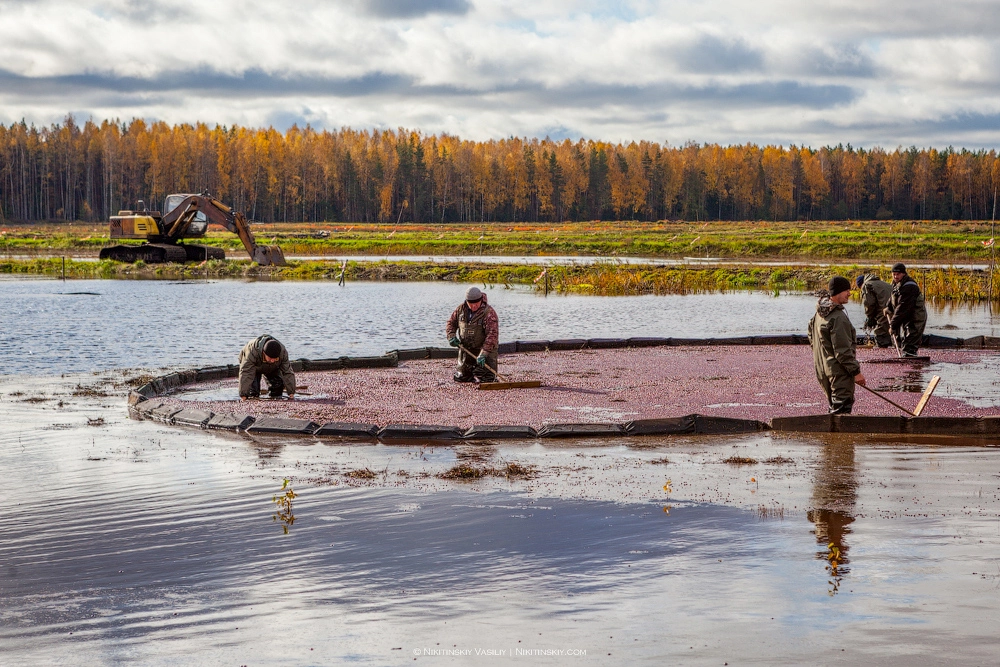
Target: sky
{"points": [[889, 73]]}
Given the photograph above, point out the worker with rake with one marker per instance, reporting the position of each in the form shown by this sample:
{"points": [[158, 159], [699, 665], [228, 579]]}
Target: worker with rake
{"points": [[833, 341], [475, 330], [875, 296], [908, 314], [265, 356]]}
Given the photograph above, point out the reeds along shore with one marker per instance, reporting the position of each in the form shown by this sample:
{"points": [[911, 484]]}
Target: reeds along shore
{"points": [[603, 279]]}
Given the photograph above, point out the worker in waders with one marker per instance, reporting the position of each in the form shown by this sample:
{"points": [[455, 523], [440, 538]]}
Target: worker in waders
{"points": [[875, 296], [833, 341], [908, 315], [265, 356], [475, 327]]}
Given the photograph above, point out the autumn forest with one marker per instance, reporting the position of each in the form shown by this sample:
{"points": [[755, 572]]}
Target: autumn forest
{"points": [[88, 172]]}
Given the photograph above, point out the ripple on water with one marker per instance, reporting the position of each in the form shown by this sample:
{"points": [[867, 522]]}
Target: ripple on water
{"points": [[156, 545]]}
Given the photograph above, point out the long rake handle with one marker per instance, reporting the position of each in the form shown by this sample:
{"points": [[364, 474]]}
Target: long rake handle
{"points": [[888, 400], [490, 368], [899, 352]]}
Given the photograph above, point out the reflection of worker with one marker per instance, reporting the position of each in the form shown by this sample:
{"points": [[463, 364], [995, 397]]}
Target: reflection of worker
{"points": [[875, 295], [908, 313], [265, 356], [474, 326], [833, 340], [835, 495]]}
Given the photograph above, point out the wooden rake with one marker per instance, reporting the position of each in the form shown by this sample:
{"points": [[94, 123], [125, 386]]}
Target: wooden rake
{"points": [[931, 386], [501, 383]]}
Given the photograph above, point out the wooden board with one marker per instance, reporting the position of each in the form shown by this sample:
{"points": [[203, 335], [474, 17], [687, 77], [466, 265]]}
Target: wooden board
{"points": [[495, 386], [927, 395], [896, 360]]}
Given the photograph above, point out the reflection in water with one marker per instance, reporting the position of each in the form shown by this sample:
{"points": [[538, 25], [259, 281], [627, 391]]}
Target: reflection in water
{"points": [[911, 381], [835, 494], [283, 505]]}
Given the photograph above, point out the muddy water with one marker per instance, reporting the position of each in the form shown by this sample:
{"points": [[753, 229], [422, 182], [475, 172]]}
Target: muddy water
{"points": [[137, 543], [95, 325]]}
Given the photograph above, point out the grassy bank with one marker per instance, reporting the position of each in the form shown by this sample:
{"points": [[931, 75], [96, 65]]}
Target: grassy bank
{"points": [[872, 240], [605, 279]]}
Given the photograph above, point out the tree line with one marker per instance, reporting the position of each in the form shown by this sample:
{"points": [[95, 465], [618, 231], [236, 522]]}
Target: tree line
{"points": [[89, 172]]}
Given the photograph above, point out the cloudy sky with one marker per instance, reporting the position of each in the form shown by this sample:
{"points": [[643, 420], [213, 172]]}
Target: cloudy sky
{"points": [[895, 72]]}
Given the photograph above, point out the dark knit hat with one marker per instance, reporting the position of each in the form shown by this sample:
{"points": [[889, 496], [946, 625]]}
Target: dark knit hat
{"points": [[859, 281], [473, 294], [272, 348], [899, 267], [838, 284]]}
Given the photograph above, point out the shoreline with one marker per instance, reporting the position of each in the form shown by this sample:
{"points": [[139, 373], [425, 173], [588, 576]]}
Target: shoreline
{"points": [[601, 279]]}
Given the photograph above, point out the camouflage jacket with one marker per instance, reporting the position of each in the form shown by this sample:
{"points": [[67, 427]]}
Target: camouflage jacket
{"points": [[471, 326]]}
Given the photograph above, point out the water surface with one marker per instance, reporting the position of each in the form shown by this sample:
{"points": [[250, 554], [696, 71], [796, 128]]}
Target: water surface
{"points": [[135, 542], [139, 543], [93, 325]]}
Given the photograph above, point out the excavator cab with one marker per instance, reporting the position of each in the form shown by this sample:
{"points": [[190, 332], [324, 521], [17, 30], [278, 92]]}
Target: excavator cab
{"points": [[196, 227]]}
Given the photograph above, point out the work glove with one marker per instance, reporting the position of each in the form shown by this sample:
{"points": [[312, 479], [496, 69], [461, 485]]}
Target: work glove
{"points": [[481, 359], [453, 341]]}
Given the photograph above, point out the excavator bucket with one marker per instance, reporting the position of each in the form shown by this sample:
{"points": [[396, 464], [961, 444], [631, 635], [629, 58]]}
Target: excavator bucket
{"points": [[269, 255]]}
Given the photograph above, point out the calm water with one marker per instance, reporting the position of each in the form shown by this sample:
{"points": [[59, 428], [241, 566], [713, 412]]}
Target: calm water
{"points": [[137, 543], [57, 327]]}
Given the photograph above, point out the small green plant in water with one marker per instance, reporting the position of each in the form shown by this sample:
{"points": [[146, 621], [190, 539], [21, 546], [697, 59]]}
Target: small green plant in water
{"points": [[283, 503], [833, 562]]}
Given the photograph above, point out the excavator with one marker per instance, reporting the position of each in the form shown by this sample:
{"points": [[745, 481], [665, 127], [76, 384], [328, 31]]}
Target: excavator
{"points": [[184, 216]]}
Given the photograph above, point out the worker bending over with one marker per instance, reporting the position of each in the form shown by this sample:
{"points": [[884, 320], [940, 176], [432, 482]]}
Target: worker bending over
{"points": [[908, 315], [265, 356], [475, 327], [875, 295], [833, 341]]}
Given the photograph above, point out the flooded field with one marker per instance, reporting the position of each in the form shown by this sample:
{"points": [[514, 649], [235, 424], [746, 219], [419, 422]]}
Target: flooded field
{"points": [[94, 325], [135, 542]]}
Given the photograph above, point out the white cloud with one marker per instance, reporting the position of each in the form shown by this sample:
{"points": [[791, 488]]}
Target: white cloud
{"points": [[778, 71]]}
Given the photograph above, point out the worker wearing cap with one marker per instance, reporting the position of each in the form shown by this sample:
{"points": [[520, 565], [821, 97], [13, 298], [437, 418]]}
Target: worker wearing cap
{"points": [[265, 356], [475, 327], [833, 341], [907, 313], [875, 295]]}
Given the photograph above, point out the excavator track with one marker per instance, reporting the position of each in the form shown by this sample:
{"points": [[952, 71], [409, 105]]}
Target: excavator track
{"points": [[200, 253], [151, 253]]}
